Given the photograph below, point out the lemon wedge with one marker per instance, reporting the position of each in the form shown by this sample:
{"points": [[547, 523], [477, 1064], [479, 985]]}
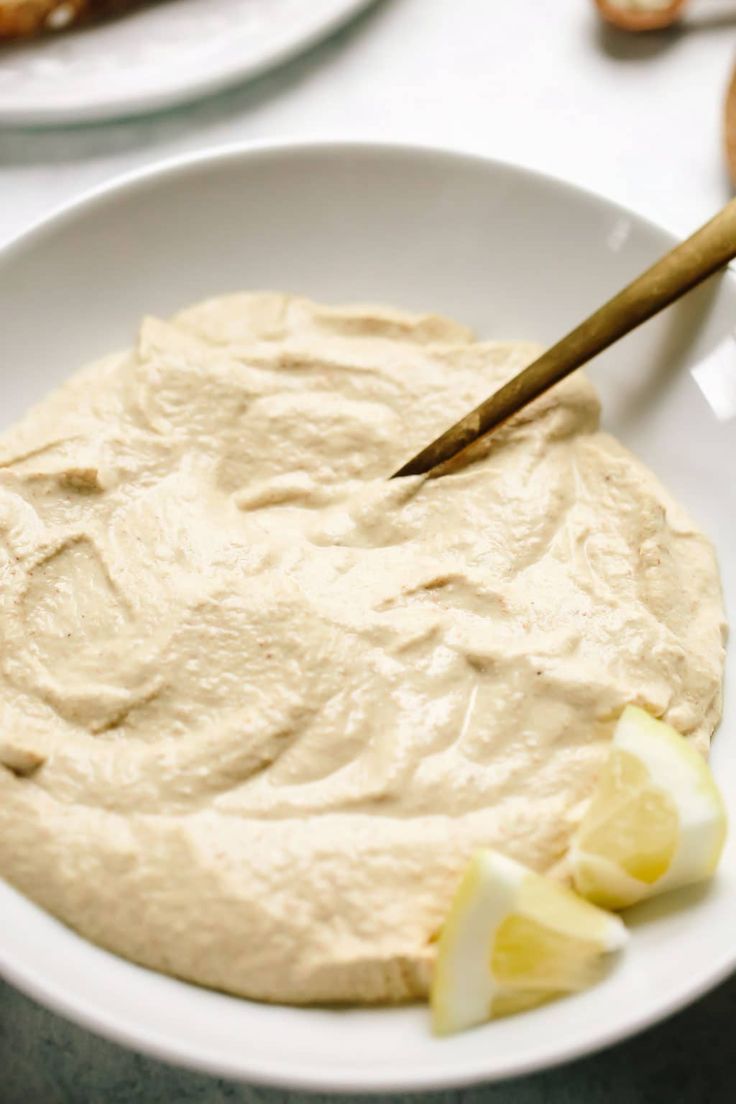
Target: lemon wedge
{"points": [[656, 820], [514, 939]]}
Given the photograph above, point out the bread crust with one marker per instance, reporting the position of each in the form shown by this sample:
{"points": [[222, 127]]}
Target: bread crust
{"points": [[23, 18], [640, 19]]}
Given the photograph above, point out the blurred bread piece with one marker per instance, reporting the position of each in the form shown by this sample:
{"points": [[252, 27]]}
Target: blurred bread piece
{"points": [[22, 18], [641, 15], [729, 127]]}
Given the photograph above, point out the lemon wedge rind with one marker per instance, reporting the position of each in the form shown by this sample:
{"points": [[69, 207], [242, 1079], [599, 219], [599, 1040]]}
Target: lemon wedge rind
{"points": [[684, 807], [512, 940]]}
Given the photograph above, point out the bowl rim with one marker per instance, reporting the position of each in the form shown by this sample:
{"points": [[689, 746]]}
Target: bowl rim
{"points": [[331, 1079], [223, 152]]}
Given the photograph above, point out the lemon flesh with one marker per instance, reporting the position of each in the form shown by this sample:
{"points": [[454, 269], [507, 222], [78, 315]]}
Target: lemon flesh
{"points": [[512, 940], [656, 820]]}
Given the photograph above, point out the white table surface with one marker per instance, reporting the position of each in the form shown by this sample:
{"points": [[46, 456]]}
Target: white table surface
{"points": [[532, 81]]}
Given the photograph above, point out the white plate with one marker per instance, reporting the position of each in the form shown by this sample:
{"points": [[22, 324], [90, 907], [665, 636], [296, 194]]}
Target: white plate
{"points": [[515, 255], [158, 56]]}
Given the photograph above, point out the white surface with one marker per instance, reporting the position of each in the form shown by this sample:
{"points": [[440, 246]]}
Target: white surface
{"points": [[514, 255], [716, 378], [531, 81], [157, 56]]}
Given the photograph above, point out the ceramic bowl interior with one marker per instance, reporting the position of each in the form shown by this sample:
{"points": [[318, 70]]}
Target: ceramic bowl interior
{"points": [[514, 254]]}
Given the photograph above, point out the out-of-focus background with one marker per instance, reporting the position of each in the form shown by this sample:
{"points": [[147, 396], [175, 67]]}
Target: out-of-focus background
{"points": [[539, 82]]}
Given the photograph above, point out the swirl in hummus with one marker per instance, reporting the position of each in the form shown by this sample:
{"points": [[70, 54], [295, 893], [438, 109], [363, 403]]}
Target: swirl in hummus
{"points": [[258, 704]]}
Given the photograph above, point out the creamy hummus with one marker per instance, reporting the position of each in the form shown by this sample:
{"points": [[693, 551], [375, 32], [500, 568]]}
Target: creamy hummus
{"points": [[258, 704]]}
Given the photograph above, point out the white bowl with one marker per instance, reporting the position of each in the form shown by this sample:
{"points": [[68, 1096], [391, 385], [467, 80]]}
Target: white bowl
{"points": [[515, 255]]}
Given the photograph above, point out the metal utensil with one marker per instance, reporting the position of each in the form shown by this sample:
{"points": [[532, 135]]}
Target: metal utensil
{"points": [[680, 270]]}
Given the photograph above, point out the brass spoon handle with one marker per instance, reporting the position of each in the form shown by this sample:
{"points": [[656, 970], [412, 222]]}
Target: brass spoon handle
{"points": [[680, 270]]}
